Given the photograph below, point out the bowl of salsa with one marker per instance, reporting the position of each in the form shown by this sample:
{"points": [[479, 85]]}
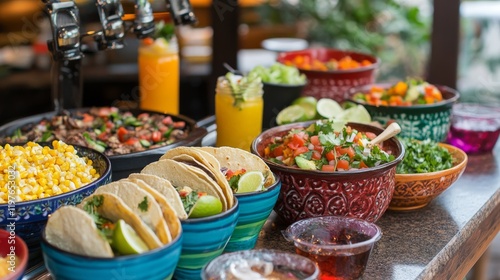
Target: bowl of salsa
{"points": [[423, 110], [332, 72], [329, 168]]}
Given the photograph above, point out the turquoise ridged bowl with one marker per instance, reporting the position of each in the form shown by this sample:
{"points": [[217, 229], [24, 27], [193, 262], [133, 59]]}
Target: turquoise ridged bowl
{"points": [[204, 240], [255, 208], [155, 264], [427, 121]]}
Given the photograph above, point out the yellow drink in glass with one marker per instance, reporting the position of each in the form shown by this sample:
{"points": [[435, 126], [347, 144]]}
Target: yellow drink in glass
{"points": [[238, 114], [159, 76]]}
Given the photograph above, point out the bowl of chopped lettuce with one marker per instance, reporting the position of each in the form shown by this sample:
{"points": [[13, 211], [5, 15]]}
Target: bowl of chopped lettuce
{"points": [[282, 85], [426, 171], [329, 168]]}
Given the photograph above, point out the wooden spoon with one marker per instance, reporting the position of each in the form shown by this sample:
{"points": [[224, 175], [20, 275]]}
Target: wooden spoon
{"points": [[392, 130]]}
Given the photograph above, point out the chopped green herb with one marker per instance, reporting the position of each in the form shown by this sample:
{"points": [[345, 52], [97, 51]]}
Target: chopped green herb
{"points": [[144, 205], [423, 156]]}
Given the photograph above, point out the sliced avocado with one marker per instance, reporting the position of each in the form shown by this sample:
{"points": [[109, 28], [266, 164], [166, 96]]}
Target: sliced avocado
{"points": [[305, 164], [413, 93]]}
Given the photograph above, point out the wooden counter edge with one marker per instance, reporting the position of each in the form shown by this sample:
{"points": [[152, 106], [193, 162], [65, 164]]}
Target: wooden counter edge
{"points": [[461, 260]]}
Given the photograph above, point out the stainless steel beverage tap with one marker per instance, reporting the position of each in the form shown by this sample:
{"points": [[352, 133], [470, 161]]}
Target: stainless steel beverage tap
{"points": [[181, 12], [66, 53], [144, 25], [66, 46], [113, 32]]}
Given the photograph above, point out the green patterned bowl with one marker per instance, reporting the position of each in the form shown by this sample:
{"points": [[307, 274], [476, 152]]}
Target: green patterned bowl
{"points": [[431, 121]]}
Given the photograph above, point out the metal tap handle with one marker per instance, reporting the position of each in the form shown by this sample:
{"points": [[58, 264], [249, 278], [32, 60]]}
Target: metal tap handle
{"points": [[110, 13], [144, 25], [66, 53], [65, 25], [182, 12]]}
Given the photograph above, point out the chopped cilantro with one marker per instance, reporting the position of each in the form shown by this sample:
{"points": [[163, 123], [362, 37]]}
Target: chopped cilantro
{"points": [[423, 156], [144, 205], [233, 182]]}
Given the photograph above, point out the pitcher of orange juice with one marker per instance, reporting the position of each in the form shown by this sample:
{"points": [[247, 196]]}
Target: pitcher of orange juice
{"points": [[238, 110], [158, 64]]}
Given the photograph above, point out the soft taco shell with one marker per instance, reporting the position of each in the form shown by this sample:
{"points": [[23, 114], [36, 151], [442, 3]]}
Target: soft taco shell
{"points": [[237, 159], [206, 162], [113, 208], [165, 188], [181, 175], [73, 230], [133, 196], [169, 215]]}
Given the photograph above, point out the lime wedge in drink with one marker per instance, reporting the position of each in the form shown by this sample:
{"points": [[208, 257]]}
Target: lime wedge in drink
{"points": [[126, 241], [250, 182], [206, 206], [357, 114], [309, 105], [290, 114], [328, 108]]}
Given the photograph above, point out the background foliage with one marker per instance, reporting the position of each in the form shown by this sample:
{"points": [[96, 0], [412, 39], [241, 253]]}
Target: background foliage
{"points": [[394, 31]]}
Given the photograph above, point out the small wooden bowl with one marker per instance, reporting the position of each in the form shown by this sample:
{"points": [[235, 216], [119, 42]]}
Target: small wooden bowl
{"points": [[415, 191]]}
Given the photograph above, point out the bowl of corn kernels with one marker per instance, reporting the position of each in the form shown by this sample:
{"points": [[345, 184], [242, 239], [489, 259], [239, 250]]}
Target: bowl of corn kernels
{"points": [[38, 178]]}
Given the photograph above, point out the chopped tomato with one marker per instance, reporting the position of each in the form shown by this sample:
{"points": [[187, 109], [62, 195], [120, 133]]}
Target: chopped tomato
{"points": [[342, 164], [316, 155], [167, 120], [278, 151], [363, 165], [300, 150], [122, 132], [148, 41], [156, 136], [88, 118], [299, 139], [327, 167], [330, 155], [180, 124], [342, 151], [315, 140], [131, 141], [370, 135]]}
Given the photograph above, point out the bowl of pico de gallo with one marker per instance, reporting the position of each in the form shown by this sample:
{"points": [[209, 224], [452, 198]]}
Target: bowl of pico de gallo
{"points": [[329, 168]]}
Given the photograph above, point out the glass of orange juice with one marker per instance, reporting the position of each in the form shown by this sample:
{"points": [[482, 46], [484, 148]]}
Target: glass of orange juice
{"points": [[238, 110], [159, 75]]}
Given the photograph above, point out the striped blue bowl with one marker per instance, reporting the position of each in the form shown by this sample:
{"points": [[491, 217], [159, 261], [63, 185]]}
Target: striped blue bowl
{"points": [[255, 208], [156, 264], [204, 240]]}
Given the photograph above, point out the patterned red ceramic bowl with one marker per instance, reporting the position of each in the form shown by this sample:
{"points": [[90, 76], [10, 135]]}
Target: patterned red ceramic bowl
{"points": [[334, 84], [363, 193]]}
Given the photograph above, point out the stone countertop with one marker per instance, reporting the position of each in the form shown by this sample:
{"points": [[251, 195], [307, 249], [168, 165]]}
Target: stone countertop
{"points": [[442, 240]]}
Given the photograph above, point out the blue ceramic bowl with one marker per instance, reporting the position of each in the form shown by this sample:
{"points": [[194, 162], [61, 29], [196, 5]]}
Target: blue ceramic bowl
{"points": [[255, 208], [31, 216], [156, 264], [204, 240]]}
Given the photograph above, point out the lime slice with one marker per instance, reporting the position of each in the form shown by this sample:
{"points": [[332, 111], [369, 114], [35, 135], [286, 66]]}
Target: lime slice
{"points": [[309, 105], [290, 114], [206, 206], [357, 114], [328, 108], [250, 182], [126, 241]]}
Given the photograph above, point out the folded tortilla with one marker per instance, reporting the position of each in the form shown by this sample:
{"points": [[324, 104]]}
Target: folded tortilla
{"points": [[206, 163], [169, 215], [142, 204], [73, 230], [237, 159], [182, 175]]}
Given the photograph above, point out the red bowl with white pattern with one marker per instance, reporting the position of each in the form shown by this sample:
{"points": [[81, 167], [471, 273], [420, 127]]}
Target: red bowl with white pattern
{"points": [[334, 84], [362, 193]]}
